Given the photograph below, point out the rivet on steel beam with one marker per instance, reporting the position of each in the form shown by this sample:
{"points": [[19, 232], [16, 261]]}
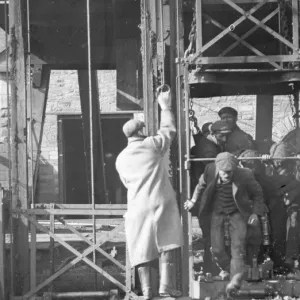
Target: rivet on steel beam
{"points": [[232, 27]]}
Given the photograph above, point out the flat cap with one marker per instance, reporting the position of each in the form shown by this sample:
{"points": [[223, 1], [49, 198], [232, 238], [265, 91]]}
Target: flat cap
{"points": [[226, 161], [228, 110], [206, 127], [249, 153], [221, 126], [132, 126]]}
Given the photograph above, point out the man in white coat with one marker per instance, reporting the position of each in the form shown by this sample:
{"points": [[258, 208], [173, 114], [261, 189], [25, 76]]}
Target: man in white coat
{"points": [[152, 221]]}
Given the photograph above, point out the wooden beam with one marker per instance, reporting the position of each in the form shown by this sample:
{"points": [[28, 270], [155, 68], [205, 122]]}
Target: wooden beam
{"points": [[264, 122], [19, 145], [99, 169]]}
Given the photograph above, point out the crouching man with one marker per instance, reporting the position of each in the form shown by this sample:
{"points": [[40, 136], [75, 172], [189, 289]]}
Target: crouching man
{"points": [[229, 194], [152, 221]]}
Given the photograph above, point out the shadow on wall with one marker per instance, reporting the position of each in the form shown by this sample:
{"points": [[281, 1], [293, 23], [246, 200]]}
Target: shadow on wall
{"points": [[47, 185]]}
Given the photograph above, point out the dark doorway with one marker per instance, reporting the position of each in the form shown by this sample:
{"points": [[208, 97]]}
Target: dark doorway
{"points": [[72, 164]]}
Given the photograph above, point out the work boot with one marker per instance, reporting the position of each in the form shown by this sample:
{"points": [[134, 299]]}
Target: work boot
{"points": [[145, 279], [168, 281]]}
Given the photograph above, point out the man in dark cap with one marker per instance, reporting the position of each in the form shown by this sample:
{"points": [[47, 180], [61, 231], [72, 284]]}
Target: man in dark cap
{"points": [[208, 146], [152, 221], [238, 140], [214, 142], [230, 194]]}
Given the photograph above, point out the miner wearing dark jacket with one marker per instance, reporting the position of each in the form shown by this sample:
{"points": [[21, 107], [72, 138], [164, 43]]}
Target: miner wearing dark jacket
{"points": [[228, 192], [238, 140]]}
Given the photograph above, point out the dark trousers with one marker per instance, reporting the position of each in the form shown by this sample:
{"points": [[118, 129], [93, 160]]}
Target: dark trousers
{"points": [[238, 233], [278, 219], [293, 233]]}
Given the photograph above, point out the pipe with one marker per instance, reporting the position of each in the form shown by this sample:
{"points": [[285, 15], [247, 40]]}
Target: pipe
{"points": [[253, 293], [246, 158], [90, 99], [67, 295]]}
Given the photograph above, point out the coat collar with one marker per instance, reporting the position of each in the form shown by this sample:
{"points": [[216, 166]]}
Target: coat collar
{"points": [[135, 139]]}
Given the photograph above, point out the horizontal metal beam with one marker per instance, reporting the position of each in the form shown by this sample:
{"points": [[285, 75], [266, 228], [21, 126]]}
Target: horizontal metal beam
{"points": [[78, 212], [243, 59], [247, 158], [82, 206], [218, 2]]}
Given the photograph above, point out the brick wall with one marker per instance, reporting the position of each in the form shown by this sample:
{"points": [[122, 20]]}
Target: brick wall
{"points": [[64, 98], [206, 110]]}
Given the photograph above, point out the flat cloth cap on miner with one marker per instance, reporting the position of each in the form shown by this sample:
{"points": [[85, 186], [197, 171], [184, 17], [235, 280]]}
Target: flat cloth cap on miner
{"points": [[220, 127], [133, 126], [228, 110], [226, 161]]}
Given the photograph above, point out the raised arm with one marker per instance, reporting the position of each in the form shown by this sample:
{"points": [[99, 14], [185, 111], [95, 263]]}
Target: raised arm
{"points": [[167, 131]]}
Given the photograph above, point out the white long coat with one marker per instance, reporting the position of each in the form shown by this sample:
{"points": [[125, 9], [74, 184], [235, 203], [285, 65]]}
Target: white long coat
{"points": [[152, 221]]}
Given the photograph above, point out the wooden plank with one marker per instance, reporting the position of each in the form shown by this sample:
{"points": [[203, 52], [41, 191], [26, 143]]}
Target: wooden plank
{"points": [[199, 35], [244, 59], [129, 77], [2, 251], [295, 24], [264, 122], [19, 144]]}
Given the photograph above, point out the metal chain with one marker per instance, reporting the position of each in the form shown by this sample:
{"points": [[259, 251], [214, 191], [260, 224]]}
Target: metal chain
{"points": [[192, 114], [291, 100], [192, 37]]}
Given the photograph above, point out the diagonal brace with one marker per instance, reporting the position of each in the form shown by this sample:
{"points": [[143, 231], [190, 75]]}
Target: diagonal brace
{"points": [[227, 30], [240, 40], [80, 256], [251, 31], [104, 253], [261, 25]]}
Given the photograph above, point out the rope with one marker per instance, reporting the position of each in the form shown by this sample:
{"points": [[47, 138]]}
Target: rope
{"points": [[91, 127]]}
